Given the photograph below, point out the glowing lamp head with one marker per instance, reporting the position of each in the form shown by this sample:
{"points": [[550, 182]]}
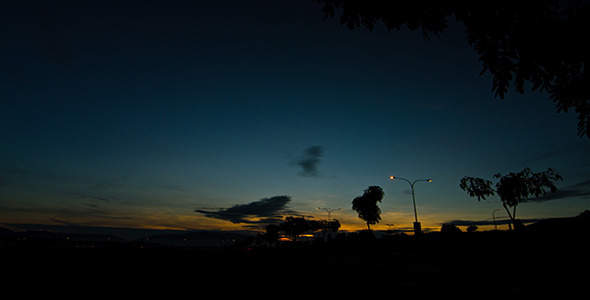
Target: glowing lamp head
{"points": [[429, 180], [391, 177]]}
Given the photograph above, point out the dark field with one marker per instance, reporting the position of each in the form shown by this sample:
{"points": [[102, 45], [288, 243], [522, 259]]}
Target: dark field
{"points": [[476, 264]]}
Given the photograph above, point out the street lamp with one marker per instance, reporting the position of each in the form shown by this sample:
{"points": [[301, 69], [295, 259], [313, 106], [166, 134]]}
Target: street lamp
{"points": [[417, 226], [494, 218], [329, 210]]}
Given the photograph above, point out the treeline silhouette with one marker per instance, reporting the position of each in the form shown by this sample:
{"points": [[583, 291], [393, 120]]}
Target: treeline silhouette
{"points": [[293, 227], [286, 234], [546, 257]]}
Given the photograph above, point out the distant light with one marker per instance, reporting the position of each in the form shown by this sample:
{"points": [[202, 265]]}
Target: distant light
{"points": [[429, 180], [392, 177]]}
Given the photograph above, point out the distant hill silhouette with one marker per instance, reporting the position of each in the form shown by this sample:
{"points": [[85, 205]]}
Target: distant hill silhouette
{"points": [[574, 225], [8, 233], [197, 239], [43, 234], [204, 238]]}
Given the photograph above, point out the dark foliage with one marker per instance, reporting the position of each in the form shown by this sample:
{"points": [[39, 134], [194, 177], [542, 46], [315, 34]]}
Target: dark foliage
{"points": [[295, 226], [513, 188], [540, 42], [450, 228], [549, 258], [366, 205]]}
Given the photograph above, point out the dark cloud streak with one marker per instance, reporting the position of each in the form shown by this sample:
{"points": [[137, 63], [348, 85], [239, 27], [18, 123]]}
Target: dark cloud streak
{"points": [[266, 210], [579, 190]]}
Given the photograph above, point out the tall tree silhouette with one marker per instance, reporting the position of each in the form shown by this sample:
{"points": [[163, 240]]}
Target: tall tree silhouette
{"points": [[542, 42], [366, 205], [513, 188]]}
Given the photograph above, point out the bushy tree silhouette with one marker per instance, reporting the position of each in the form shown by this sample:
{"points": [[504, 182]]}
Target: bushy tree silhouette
{"points": [[512, 188], [450, 228], [294, 226], [272, 233], [366, 205]]}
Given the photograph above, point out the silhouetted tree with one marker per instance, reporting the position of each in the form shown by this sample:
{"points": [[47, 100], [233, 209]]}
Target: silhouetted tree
{"points": [[450, 228], [366, 205], [472, 228], [513, 188], [330, 226], [294, 226], [327, 226], [272, 233], [541, 42]]}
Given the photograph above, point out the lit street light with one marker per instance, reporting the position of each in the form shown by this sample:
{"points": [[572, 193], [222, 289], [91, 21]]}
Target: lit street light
{"points": [[417, 226], [329, 210]]}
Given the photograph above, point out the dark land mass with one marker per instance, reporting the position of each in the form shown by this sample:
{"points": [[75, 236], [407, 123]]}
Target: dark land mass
{"points": [[550, 257]]}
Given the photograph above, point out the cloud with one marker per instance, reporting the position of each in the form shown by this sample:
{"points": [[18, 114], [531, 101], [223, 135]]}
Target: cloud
{"points": [[581, 190], [266, 210], [309, 161]]}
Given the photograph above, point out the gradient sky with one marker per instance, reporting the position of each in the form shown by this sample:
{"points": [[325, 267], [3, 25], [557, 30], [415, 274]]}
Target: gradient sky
{"points": [[226, 114]]}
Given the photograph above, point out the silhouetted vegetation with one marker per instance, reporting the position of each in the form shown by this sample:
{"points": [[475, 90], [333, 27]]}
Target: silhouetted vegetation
{"points": [[513, 188], [547, 257], [540, 42], [293, 227], [366, 205], [450, 228]]}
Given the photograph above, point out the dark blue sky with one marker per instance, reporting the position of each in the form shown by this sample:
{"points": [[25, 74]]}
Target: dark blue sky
{"points": [[138, 113]]}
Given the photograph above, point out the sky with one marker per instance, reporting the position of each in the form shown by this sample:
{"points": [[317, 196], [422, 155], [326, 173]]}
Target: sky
{"points": [[229, 115]]}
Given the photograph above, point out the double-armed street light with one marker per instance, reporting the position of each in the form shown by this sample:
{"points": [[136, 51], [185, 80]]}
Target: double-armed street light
{"points": [[417, 226], [329, 210]]}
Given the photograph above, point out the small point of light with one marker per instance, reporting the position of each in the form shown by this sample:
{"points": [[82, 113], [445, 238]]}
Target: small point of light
{"points": [[391, 177], [429, 180]]}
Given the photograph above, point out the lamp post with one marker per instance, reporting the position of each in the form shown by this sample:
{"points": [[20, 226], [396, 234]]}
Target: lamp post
{"points": [[329, 210], [417, 226], [494, 218]]}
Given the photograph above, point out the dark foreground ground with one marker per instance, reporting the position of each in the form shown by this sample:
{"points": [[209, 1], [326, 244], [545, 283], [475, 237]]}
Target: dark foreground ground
{"points": [[467, 264]]}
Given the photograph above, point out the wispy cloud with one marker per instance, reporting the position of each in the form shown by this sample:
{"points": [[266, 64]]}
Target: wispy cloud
{"points": [[266, 210], [309, 161], [579, 190]]}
